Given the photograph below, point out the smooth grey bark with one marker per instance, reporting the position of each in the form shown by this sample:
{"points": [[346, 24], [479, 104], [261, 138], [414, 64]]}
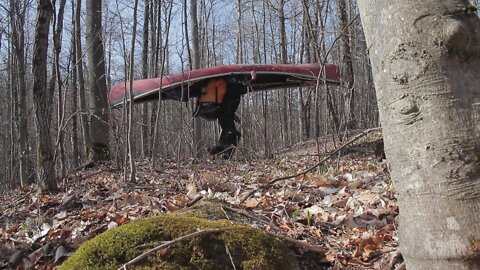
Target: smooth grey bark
{"points": [[99, 129], [426, 65], [41, 104]]}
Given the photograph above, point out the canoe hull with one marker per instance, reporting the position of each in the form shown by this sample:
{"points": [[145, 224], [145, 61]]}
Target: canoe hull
{"points": [[182, 86]]}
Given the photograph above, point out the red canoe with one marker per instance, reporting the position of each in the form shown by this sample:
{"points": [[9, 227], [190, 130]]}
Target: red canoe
{"points": [[181, 86]]}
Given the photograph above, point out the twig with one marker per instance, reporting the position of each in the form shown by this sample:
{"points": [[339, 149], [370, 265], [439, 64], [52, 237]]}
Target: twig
{"points": [[230, 256], [194, 201], [81, 167], [272, 182], [248, 215], [18, 241], [226, 215], [319, 250], [18, 201], [168, 243]]}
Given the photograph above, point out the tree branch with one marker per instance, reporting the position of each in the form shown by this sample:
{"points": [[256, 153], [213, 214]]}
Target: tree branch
{"points": [[169, 243], [272, 182]]}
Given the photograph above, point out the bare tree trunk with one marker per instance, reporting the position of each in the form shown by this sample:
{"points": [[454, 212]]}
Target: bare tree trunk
{"points": [[239, 53], [131, 153], [346, 65], [426, 66], [284, 60], [161, 68], [197, 124], [74, 101], [81, 78], [45, 162], [185, 25], [17, 13], [267, 143], [12, 81], [56, 78], [99, 131], [145, 39], [156, 41], [303, 117]]}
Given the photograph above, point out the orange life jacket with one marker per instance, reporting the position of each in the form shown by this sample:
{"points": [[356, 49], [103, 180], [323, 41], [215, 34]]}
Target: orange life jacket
{"points": [[215, 91]]}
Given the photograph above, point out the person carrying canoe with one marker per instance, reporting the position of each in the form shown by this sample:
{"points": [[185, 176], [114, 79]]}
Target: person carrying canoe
{"points": [[219, 100]]}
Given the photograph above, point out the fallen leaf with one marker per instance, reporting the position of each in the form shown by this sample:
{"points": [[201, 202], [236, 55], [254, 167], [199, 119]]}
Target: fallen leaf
{"points": [[61, 254], [252, 203], [191, 190]]}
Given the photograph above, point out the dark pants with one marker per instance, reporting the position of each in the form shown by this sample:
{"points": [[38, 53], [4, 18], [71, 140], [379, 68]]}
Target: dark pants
{"points": [[230, 135]]}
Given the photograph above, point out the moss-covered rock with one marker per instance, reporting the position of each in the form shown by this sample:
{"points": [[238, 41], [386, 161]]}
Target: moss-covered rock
{"points": [[249, 248]]}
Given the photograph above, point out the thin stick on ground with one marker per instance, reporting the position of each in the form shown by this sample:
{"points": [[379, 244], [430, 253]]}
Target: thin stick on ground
{"points": [[300, 244], [194, 201], [248, 215], [167, 244], [230, 256], [271, 183]]}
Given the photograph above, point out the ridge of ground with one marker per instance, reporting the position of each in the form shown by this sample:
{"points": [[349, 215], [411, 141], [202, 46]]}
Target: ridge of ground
{"points": [[347, 205]]}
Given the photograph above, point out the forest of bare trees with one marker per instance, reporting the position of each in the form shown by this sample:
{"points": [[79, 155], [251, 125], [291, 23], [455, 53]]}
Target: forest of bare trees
{"points": [[55, 109], [58, 60]]}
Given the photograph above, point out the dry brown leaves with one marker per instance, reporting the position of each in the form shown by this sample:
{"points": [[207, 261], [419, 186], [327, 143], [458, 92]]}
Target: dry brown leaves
{"points": [[348, 206]]}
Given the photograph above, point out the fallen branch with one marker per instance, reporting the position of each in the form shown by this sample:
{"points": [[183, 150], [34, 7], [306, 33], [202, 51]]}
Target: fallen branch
{"points": [[248, 215], [194, 201], [230, 256], [20, 200], [272, 182], [86, 165], [167, 244], [305, 246], [91, 175]]}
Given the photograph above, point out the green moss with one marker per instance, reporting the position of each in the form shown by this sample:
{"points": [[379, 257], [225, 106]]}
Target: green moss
{"points": [[249, 248]]}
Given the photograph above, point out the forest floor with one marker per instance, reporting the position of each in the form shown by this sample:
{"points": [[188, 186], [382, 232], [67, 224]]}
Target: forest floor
{"points": [[346, 205]]}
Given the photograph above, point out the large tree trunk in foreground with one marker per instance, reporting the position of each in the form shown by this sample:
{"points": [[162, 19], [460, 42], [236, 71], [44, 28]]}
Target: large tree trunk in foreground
{"points": [[99, 129], [45, 164], [426, 64]]}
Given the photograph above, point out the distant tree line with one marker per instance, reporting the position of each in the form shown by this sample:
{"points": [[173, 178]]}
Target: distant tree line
{"points": [[59, 58]]}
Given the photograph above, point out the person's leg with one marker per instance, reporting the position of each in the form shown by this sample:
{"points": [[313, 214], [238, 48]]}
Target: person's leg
{"points": [[230, 136]]}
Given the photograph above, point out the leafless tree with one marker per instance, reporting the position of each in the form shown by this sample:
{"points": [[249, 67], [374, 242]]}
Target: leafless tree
{"points": [[99, 130], [81, 79], [197, 124], [18, 11], [45, 162], [130, 141]]}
